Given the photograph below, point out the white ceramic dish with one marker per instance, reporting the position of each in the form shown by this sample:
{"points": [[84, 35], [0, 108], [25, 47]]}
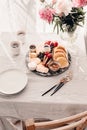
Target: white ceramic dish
{"points": [[12, 81]]}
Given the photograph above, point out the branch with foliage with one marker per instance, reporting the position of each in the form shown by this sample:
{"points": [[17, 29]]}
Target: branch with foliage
{"points": [[70, 22]]}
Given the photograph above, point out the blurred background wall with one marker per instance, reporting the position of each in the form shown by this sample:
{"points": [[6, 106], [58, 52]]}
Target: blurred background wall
{"points": [[16, 15]]}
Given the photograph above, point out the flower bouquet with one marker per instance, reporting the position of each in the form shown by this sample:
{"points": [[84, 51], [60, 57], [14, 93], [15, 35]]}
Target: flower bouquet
{"points": [[65, 15]]}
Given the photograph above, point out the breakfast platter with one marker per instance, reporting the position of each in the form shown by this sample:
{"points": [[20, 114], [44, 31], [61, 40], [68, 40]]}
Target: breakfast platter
{"points": [[49, 60]]}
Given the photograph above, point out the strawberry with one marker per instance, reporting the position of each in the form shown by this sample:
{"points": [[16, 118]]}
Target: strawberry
{"points": [[49, 55], [55, 44]]}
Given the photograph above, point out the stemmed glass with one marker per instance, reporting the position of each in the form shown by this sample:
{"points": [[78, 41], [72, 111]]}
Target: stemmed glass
{"points": [[70, 39], [79, 67]]}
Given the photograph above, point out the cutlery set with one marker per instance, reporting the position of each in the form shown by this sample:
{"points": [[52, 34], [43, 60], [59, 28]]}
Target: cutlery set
{"points": [[62, 82]]}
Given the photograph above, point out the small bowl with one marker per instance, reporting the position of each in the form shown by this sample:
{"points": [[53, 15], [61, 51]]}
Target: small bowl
{"points": [[54, 66]]}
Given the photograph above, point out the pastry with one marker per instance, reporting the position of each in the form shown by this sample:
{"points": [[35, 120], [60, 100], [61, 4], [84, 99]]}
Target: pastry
{"points": [[63, 62], [32, 65], [36, 60], [49, 62], [32, 55], [58, 54], [41, 68], [60, 50], [45, 60], [59, 47]]}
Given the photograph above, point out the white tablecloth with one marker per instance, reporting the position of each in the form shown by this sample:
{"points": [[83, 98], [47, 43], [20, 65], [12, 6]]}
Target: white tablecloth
{"points": [[69, 100]]}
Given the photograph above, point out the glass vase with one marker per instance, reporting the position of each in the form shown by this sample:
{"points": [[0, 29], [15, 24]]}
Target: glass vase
{"points": [[70, 39]]}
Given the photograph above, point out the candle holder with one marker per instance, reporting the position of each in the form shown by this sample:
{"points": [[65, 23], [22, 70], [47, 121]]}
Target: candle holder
{"points": [[15, 48]]}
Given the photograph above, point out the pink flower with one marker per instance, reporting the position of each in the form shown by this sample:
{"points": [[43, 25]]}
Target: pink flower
{"points": [[54, 2], [79, 3], [47, 14], [64, 6]]}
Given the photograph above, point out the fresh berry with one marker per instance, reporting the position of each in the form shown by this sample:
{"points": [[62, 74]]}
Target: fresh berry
{"points": [[46, 53], [48, 42], [52, 44], [49, 55], [55, 44]]}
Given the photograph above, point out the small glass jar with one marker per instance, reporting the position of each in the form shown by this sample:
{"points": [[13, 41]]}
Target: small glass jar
{"points": [[32, 49], [15, 48]]}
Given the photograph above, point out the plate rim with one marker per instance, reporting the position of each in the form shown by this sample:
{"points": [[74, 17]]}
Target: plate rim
{"points": [[13, 93]]}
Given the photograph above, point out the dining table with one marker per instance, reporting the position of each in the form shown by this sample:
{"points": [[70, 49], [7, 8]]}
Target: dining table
{"points": [[29, 103]]}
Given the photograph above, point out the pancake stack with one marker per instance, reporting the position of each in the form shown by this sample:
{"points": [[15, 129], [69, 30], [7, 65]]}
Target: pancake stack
{"points": [[60, 56]]}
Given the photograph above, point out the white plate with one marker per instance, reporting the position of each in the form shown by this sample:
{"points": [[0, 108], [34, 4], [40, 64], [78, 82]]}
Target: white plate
{"points": [[12, 81]]}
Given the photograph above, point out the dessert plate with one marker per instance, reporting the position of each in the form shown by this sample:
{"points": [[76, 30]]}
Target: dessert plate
{"points": [[49, 74], [12, 81]]}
